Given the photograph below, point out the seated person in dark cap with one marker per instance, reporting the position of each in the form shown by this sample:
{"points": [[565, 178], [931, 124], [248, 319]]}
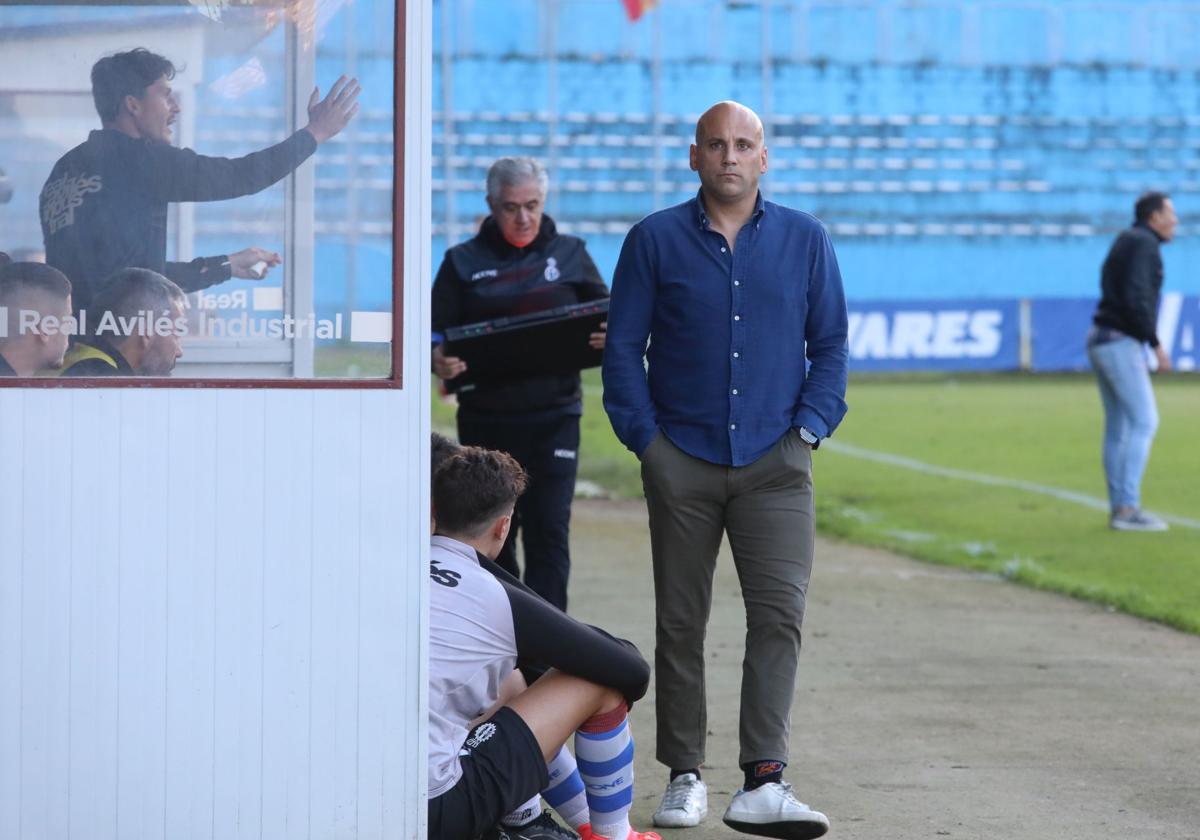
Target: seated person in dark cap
{"points": [[35, 317], [134, 326]]}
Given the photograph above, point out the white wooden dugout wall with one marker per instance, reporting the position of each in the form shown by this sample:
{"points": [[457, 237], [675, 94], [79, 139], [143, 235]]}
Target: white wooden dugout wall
{"points": [[211, 601]]}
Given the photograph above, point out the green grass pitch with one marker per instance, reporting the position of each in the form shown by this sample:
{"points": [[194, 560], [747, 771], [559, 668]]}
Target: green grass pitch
{"points": [[1041, 429]]}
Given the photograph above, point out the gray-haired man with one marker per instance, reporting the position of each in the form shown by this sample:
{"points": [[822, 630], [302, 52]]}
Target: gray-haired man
{"points": [[519, 263]]}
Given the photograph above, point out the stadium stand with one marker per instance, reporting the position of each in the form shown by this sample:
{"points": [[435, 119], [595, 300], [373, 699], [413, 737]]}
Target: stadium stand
{"points": [[955, 149]]}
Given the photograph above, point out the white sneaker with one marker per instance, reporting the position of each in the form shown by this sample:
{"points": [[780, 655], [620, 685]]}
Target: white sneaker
{"points": [[773, 811], [684, 804]]}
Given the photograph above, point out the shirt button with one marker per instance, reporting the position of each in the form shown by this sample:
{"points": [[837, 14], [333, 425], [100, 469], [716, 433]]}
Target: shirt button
{"points": [[732, 426], [737, 317], [736, 355], [737, 282], [735, 392], [722, 249]]}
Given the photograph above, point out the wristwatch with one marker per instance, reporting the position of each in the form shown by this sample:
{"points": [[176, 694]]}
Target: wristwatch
{"points": [[809, 438]]}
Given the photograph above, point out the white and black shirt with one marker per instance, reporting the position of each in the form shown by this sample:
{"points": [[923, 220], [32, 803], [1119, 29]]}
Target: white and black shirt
{"points": [[481, 621]]}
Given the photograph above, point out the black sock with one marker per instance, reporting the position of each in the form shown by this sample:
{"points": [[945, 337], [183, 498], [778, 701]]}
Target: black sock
{"points": [[675, 774], [759, 773]]}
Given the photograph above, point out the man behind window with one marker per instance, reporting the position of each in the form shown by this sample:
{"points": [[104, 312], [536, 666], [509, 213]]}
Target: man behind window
{"points": [[35, 317], [135, 325], [104, 206]]}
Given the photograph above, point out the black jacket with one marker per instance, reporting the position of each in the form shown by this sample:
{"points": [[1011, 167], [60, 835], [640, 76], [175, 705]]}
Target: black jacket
{"points": [[104, 206], [486, 277], [97, 357], [1130, 283]]}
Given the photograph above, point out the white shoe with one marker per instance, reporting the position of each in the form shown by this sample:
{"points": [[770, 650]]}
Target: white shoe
{"points": [[684, 804], [1134, 519], [773, 811]]}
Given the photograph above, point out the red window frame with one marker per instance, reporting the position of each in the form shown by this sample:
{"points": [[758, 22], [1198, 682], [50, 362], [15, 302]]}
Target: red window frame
{"points": [[394, 379]]}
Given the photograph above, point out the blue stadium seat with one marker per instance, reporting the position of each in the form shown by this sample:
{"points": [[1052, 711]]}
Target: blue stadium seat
{"points": [[945, 164]]}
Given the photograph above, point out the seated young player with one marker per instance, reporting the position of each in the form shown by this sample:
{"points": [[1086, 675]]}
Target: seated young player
{"points": [[565, 792], [488, 753]]}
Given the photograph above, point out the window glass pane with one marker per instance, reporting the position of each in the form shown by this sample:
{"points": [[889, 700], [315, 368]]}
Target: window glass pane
{"points": [[206, 168]]}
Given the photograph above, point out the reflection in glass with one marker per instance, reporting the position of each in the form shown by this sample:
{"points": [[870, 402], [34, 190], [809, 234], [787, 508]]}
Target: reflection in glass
{"points": [[35, 318], [137, 331], [277, 226]]}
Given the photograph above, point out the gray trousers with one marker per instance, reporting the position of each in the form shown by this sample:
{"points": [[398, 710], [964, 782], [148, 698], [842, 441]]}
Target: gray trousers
{"points": [[766, 509]]}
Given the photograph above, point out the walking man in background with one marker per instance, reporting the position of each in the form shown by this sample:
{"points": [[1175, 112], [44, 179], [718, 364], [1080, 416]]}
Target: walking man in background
{"points": [[731, 291], [1125, 321]]}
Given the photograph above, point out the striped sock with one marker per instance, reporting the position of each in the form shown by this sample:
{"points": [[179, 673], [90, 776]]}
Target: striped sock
{"points": [[565, 792], [604, 750]]}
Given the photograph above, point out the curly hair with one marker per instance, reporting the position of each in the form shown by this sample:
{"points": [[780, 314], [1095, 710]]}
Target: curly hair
{"points": [[473, 487], [126, 74]]}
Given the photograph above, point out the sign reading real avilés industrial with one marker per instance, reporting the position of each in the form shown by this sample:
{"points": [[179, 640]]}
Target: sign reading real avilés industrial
{"points": [[214, 203]]}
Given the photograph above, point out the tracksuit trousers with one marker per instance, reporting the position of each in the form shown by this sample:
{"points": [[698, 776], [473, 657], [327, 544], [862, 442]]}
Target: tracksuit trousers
{"points": [[548, 449]]}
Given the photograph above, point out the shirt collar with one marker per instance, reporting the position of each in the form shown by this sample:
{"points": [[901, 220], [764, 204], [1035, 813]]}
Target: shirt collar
{"points": [[760, 207], [453, 546], [1145, 226], [111, 135]]}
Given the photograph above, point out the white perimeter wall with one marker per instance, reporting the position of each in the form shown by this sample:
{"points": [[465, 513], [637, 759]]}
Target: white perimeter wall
{"points": [[211, 600]]}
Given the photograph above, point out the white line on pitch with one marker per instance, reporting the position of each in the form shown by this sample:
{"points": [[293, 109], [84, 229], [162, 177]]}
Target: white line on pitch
{"points": [[1084, 499]]}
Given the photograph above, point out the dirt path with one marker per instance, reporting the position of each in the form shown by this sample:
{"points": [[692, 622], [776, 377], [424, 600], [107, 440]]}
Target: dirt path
{"points": [[931, 702]]}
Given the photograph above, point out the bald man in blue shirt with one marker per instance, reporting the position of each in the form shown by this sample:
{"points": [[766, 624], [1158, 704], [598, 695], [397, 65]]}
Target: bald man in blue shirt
{"points": [[725, 366]]}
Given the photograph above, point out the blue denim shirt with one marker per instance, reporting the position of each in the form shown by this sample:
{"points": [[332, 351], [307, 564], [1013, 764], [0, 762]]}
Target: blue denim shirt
{"points": [[728, 333]]}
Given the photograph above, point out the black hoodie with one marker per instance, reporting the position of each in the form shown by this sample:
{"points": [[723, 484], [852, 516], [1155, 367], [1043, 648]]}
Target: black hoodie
{"points": [[1130, 283], [486, 277], [104, 206]]}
